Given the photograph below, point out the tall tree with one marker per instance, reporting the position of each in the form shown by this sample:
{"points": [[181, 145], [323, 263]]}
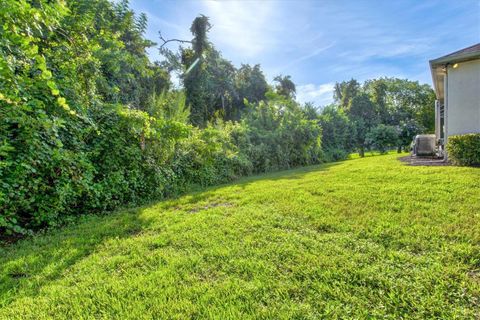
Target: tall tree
{"points": [[345, 91], [195, 77], [378, 92], [213, 86], [121, 51], [285, 86], [221, 86], [251, 85], [208, 78], [337, 132], [362, 114], [199, 29]]}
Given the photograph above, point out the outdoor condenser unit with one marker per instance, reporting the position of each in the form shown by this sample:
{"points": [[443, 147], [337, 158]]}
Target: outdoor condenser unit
{"points": [[424, 145]]}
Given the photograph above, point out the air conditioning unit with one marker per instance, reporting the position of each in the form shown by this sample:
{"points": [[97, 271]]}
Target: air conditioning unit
{"points": [[424, 145]]}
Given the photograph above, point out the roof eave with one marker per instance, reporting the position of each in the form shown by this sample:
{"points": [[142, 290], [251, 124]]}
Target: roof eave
{"points": [[454, 59], [438, 66], [438, 89]]}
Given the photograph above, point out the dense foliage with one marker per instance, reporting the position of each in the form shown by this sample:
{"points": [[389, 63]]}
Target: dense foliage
{"points": [[464, 149], [381, 114], [89, 123], [85, 126], [337, 133], [382, 137], [74, 77], [363, 239], [213, 86], [278, 135]]}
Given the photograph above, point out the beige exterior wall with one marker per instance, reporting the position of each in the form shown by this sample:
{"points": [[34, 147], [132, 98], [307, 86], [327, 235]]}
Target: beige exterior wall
{"points": [[463, 98]]}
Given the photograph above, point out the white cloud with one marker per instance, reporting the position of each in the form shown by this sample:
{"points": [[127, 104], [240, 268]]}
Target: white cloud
{"points": [[311, 54], [244, 26], [320, 95], [319, 42], [387, 47]]}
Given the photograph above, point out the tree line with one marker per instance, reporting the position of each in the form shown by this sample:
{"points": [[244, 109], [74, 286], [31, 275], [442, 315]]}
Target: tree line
{"points": [[88, 123], [379, 114]]}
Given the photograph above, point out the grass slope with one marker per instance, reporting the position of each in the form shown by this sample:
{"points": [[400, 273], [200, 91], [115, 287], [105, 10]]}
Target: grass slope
{"points": [[364, 238]]}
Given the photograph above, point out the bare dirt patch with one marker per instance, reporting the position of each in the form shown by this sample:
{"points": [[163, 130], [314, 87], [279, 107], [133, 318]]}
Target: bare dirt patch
{"points": [[423, 161], [210, 206]]}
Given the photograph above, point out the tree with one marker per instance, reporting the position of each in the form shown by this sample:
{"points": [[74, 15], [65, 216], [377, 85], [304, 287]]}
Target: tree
{"points": [[344, 92], [116, 35], [199, 29], [310, 111], [285, 86], [382, 138], [407, 130], [213, 86], [337, 132], [401, 100], [220, 86], [403, 104], [378, 92], [250, 85], [362, 114], [209, 80], [195, 79]]}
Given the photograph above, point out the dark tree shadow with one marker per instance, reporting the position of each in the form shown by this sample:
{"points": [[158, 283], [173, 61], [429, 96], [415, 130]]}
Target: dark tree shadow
{"points": [[46, 256], [202, 194]]}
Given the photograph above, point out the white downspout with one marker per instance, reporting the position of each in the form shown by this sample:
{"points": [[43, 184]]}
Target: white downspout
{"points": [[445, 112], [437, 120]]}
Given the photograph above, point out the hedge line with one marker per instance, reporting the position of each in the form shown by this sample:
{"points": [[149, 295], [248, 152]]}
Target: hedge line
{"points": [[464, 149], [51, 170]]}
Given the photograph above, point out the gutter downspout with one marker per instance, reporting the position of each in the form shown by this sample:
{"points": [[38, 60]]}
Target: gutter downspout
{"points": [[437, 120], [445, 112]]}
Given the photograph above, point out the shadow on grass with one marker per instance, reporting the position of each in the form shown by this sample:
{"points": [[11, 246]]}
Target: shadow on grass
{"points": [[31, 263], [368, 154], [205, 193]]}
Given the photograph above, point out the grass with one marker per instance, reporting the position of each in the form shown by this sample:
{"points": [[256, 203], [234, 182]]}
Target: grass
{"points": [[362, 238]]}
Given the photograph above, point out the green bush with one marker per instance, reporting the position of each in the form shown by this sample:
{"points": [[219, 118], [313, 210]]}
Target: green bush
{"points": [[82, 129], [127, 157], [335, 154], [337, 133], [464, 149], [382, 138], [277, 135]]}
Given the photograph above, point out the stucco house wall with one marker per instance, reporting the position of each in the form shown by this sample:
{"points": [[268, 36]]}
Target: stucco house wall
{"points": [[456, 80], [463, 98]]}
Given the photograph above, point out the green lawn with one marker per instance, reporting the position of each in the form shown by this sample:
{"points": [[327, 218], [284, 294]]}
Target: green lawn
{"points": [[362, 238]]}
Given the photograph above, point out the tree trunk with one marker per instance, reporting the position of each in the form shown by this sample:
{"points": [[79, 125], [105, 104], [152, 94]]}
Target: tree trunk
{"points": [[142, 141], [362, 152], [223, 106]]}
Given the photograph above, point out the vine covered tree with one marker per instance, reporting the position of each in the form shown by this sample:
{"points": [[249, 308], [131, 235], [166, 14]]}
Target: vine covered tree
{"points": [[285, 86]]}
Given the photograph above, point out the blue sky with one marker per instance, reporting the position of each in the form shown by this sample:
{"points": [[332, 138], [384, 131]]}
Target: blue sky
{"points": [[320, 42]]}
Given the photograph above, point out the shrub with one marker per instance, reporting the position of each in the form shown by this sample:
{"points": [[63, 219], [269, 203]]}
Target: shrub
{"points": [[208, 156], [278, 136], [382, 137], [78, 133], [337, 133], [335, 154], [123, 157], [464, 149]]}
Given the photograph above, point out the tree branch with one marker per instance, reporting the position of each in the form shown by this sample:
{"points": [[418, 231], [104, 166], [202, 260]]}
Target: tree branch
{"points": [[165, 41]]}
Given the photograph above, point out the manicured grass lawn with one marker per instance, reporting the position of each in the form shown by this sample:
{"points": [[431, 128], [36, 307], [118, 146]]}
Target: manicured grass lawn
{"points": [[363, 238]]}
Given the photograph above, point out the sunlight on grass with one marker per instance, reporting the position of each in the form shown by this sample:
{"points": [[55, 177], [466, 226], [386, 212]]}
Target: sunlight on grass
{"points": [[355, 239], [369, 154]]}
